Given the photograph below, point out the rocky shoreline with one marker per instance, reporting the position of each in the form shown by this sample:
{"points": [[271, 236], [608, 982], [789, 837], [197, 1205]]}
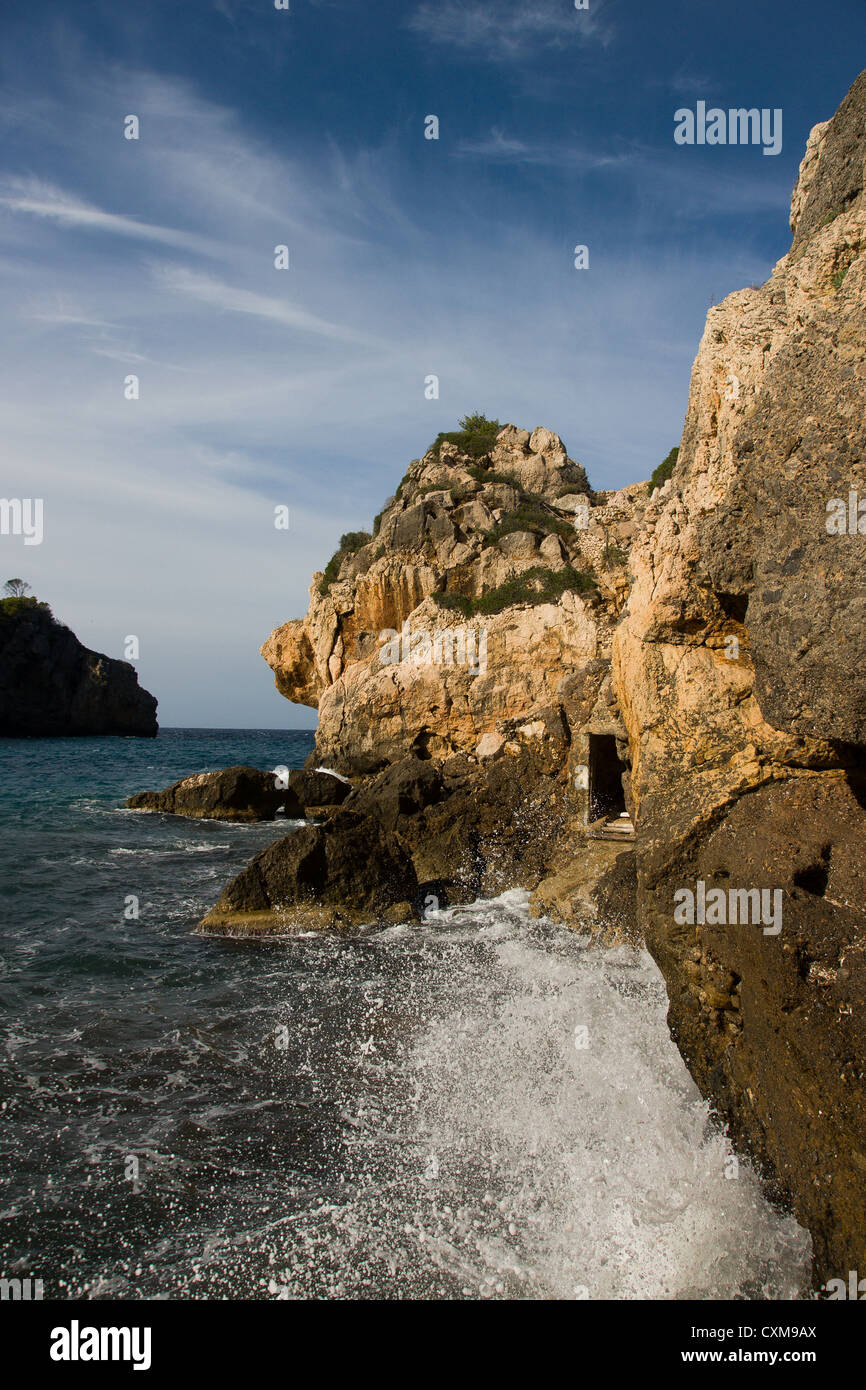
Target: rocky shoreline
{"points": [[685, 660], [245, 794]]}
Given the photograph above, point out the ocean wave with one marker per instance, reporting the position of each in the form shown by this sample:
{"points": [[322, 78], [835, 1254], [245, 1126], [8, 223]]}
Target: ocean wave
{"points": [[179, 847]]}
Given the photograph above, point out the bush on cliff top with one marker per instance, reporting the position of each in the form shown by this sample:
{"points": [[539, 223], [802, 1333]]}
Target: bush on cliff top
{"points": [[14, 606], [350, 544], [536, 585], [664, 470], [476, 436]]}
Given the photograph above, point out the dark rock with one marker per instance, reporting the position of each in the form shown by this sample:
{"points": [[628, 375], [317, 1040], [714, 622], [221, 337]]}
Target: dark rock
{"points": [[315, 788], [462, 829], [773, 1027], [53, 687], [770, 542], [233, 794], [838, 180]]}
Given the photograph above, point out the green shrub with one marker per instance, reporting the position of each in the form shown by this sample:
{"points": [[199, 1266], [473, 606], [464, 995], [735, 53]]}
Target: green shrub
{"points": [[350, 543], [456, 603], [528, 516], [575, 475], [613, 555], [476, 436], [490, 475], [664, 470], [572, 490], [17, 604], [536, 585]]}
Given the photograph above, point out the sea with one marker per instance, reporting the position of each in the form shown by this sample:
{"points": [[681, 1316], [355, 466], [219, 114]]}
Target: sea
{"points": [[479, 1106]]}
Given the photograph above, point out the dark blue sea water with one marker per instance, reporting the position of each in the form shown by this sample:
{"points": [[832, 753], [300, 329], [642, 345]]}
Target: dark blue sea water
{"points": [[415, 1113]]}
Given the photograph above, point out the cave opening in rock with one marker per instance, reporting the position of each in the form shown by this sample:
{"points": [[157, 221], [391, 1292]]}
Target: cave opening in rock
{"points": [[606, 796]]}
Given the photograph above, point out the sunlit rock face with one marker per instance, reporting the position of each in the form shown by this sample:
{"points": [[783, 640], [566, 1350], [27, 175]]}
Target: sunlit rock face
{"points": [[394, 672], [738, 669], [460, 663]]}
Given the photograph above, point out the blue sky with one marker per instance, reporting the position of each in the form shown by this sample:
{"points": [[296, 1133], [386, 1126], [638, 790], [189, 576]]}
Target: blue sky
{"points": [[305, 387]]}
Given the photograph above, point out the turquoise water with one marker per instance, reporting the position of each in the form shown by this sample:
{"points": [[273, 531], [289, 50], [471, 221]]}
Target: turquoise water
{"points": [[405, 1114]]}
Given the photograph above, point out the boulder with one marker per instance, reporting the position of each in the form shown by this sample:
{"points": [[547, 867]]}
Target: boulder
{"points": [[419, 829], [318, 788], [518, 543], [232, 794]]}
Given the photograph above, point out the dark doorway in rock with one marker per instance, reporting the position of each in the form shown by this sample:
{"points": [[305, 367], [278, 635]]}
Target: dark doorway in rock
{"points": [[606, 796]]}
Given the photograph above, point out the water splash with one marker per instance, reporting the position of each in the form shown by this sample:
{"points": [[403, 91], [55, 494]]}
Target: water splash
{"points": [[540, 1138]]}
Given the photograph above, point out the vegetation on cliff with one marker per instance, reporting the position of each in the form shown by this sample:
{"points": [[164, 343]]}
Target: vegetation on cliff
{"points": [[664, 470], [530, 514], [350, 543], [535, 585], [16, 605], [476, 436]]}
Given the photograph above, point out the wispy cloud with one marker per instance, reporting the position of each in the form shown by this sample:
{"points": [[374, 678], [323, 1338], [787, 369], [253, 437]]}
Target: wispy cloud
{"points": [[504, 149], [60, 312], [502, 31], [44, 200], [207, 290]]}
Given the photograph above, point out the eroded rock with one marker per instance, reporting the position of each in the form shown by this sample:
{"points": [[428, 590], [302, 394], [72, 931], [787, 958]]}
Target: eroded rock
{"points": [[738, 669], [232, 794]]}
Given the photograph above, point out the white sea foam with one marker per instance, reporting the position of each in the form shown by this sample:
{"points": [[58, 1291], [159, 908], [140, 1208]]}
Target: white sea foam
{"points": [[179, 847], [527, 1165]]}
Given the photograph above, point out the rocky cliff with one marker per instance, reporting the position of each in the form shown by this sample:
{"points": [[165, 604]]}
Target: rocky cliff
{"points": [[691, 658], [738, 670], [52, 686], [459, 658], [509, 553]]}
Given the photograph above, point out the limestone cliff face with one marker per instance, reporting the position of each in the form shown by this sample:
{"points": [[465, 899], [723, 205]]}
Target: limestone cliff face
{"points": [[738, 669], [440, 541], [463, 657], [52, 686]]}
